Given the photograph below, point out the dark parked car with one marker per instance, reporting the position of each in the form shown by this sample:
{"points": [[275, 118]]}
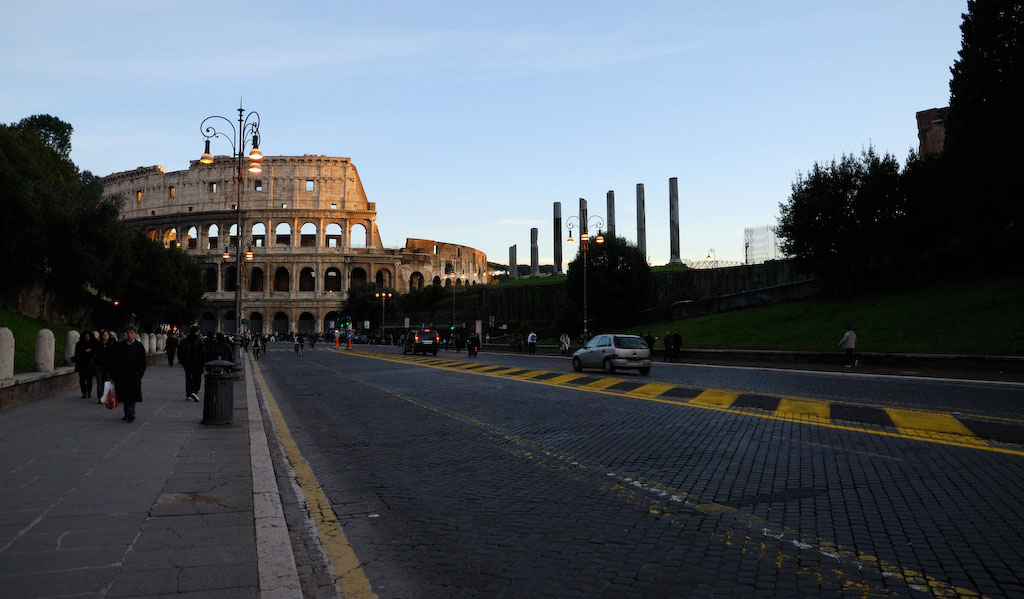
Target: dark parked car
{"points": [[422, 340], [609, 351]]}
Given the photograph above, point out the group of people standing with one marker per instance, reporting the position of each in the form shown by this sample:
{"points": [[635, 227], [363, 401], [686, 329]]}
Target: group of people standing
{"points": [[106, 359]]}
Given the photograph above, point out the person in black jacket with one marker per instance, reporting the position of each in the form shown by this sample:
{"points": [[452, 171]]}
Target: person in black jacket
{"points": [[172, 348], [129, 367], [192, 356], [85, 362]]}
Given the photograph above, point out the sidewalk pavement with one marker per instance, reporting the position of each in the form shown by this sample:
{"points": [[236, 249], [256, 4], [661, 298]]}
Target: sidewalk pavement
{"points": [[93, 506]]}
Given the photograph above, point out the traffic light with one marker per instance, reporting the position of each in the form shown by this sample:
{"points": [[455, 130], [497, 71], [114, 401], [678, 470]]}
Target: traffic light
{"points": [[451, 325]]}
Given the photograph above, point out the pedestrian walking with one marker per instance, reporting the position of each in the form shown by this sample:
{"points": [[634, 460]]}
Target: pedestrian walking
{"points": [[848, 343], [86, 351], [531, 342], [257, 342], [649, 339], [668, 347], [129, 367], [192, 356], [104, 356], [172, 348], [563, 344], [677, 344], [312, 341]]}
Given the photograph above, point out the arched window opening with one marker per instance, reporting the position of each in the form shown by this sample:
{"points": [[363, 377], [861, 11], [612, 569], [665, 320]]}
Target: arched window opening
{"points": [[256, 279], [449, 268], [332, 280], [357, 277], [259, 235], [171, 238], [233, 235], [307, 235], [208, 323], [436, 281], [280, 324], [256, 323], [230, 276], [211, 280], [211, 237], [416, 281], [334, 235], [227, 325], [282, 281], [307, 280], [306, 323], [193, 235], [283, 234], [332, 322], [357, 236], [383, 278]]}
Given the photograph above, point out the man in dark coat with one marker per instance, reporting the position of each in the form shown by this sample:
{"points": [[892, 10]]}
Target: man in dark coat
{"points": [[192, 355], [129, 366], [172, 348]]}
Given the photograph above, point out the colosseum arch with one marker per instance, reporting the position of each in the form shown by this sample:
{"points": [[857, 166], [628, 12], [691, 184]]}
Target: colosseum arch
{"points": [[259, 235], [192, 237], [416, 281], [356, 277], [230, 277], [282, 280], [207, 322], [358, 236], [227, 324], [436, 281], [171, 238], [307, 279], [256, 322], [280, 324], [332, 279], [211, 237], [210, 281], [383, 278], [283, 234], [332, 320], [232, 236], [307, 235], [334, 237], [257, 279], [306, 322]]}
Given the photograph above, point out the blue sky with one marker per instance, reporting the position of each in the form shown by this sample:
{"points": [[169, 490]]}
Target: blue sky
{"points": [[467, 120]]}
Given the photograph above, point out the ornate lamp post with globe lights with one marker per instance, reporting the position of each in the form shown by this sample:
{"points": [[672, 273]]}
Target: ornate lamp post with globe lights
{"points": [[598, 223], [248, 130], [383, 295]]}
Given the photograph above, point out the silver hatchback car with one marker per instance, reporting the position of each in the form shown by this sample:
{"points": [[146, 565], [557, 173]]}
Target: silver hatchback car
{"points": [[609, 351]]}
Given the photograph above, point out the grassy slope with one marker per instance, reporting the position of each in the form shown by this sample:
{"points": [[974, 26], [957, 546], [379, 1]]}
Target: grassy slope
{"points": [[25, 329], [981, 316]]}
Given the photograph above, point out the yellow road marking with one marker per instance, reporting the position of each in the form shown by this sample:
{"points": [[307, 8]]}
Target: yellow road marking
{"points": [[601, 384], [930, 421], [504, 371], [350, 573], [530, 375], [802, 409], [713, 398], [651, 390], [565, 378]]}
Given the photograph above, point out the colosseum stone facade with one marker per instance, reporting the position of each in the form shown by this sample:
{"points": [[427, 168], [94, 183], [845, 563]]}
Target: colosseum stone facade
{"points": [[310, 229]]}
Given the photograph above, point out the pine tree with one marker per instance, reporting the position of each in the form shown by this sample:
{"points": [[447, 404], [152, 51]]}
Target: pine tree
{"points": [[984, 129]]}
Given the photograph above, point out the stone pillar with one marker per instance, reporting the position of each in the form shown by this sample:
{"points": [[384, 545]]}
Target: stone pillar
{"points": [[70, 341], [6, 354], [143, 339], [513, 268], [558, 239], [673, 220], [611, 214], [534, 254], [43, 360], [641, 220]]}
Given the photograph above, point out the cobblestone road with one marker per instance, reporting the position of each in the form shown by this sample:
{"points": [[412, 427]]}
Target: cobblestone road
{"points": [[459, 484]]}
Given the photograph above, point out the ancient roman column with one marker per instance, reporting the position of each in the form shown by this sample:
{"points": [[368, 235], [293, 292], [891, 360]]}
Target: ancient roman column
{"points": [[673, 218], [534, 253], [513, 268], [558, 238], [641, 218], [611, 214]]}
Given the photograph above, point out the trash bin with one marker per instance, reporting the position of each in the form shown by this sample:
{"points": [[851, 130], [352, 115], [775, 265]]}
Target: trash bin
{"points": [[218, 396]]}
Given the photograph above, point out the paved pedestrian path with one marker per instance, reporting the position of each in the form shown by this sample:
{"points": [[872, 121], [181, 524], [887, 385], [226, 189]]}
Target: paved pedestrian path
{"points": [[93, 506]]}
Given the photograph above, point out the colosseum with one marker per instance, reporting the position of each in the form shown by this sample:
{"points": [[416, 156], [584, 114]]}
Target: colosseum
{"points": [[308, 235]]}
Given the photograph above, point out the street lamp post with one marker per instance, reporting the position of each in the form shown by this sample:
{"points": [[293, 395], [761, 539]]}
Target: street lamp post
{"points": [[598, 223], [248, 129], [383, 295], [453, 277]]}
